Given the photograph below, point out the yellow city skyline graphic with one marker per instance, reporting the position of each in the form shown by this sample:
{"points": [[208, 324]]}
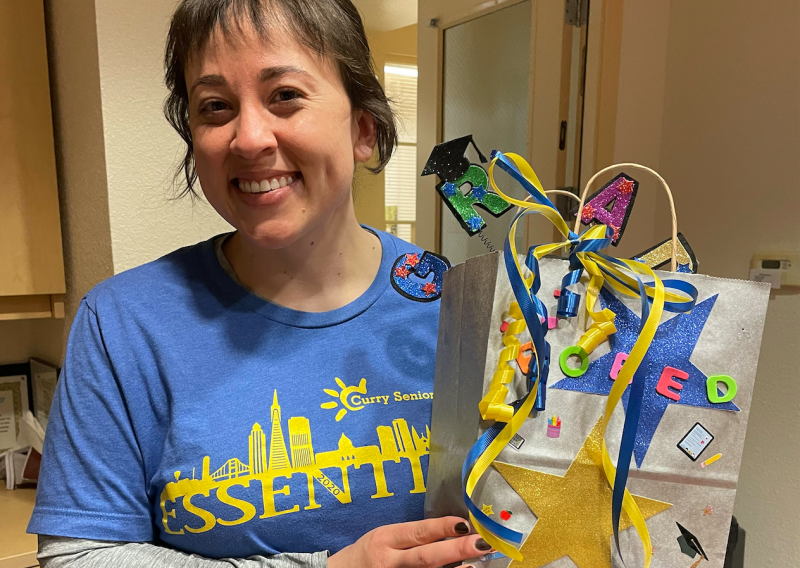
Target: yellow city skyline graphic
{"points": [[397, 442]]}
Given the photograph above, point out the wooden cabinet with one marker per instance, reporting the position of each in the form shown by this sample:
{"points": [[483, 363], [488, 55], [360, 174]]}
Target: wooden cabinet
{"points": [[17, 548], [31, 257]]}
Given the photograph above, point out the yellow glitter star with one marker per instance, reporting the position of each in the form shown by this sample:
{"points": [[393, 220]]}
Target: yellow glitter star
{"points": [[573, 511], [487, 509]]}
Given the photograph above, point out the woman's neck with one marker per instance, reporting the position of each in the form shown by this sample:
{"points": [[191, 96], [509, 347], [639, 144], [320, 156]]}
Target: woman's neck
{"points": [[322, 271]]}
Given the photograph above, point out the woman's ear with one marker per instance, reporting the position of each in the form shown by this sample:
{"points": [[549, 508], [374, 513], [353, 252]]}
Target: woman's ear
{"points": [[366, 135]]}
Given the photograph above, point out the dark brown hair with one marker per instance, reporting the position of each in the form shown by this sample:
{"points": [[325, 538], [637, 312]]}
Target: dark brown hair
{"points": [[330, 28]]}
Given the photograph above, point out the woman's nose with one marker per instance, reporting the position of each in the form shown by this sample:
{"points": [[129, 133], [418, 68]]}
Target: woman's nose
{"points": [[254, 134]]}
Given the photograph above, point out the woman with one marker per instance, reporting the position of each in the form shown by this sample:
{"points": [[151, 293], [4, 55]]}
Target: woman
{"points": [[265, 394]]}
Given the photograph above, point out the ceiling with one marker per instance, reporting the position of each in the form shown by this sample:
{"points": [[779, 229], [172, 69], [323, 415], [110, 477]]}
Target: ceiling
{"points": [[385, 15]]}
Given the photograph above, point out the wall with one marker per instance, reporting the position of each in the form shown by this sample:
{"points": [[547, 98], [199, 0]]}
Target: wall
{"points": [[730, 147], [394, 46], [115, 152], [141, 148], [80, 155], [709, 96], [640, 115]]}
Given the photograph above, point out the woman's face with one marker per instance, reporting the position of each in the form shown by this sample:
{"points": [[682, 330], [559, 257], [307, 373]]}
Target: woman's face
{"points": [[275, 137]]}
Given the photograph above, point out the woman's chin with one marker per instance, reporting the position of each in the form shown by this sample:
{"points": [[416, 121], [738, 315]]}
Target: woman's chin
{"points": [[272, 235]]}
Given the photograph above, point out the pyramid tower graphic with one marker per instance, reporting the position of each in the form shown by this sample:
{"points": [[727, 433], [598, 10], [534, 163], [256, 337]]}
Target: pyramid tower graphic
{"points": [[278, 458]]}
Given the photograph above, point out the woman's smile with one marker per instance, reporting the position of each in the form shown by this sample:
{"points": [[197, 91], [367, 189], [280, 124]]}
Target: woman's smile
{"points": [[262, 190]]}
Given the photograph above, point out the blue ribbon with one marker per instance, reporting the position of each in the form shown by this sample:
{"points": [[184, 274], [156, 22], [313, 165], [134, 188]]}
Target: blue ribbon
{"points": [[509, 167]]}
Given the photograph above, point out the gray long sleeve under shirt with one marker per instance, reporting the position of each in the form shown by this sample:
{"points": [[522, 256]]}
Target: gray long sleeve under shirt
{"points": [[63, 552]]}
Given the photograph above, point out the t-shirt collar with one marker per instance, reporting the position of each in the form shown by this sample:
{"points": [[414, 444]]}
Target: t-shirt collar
{"points": [[239, 298]]}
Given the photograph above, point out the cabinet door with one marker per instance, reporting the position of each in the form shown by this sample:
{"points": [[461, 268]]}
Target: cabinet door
{"points": [[31, 258]]}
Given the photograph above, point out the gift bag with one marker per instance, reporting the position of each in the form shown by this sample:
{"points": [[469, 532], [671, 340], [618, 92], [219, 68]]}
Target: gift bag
{"points": [[534, 465]]}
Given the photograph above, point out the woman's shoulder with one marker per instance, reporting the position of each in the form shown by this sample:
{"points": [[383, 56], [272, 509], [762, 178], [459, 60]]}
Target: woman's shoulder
{"points": [[166, 279]]}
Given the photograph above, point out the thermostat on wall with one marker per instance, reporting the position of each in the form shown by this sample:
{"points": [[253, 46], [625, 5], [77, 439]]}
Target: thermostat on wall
{"points": [[780, 269]]}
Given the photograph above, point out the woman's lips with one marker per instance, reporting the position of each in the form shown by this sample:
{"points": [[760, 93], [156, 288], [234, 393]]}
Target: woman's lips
{"points": [[268, 198], [266, 184]]}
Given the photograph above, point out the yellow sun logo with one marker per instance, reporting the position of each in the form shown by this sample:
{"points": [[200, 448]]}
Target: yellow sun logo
{"points": [[345, 397]]}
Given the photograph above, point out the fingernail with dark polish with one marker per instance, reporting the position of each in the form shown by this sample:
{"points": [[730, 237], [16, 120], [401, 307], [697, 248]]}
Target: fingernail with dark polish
{"points": [[482, 545], [462, 528]]}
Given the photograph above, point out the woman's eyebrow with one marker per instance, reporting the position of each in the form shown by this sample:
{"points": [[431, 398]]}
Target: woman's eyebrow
{"points": [[271, 72], [209, 80], [264, 75]]}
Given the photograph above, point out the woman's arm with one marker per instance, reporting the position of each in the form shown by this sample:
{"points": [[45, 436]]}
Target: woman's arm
{"points": [[63, 552]]}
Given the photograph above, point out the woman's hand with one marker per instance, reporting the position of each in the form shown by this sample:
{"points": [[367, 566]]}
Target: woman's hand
{"points": [[418, 544]]}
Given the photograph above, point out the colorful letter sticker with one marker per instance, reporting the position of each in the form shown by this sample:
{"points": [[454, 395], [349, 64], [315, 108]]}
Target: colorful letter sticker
{"points": [[715, 396], [411, 276], [448, 161], [659, 255], [611, 205]]}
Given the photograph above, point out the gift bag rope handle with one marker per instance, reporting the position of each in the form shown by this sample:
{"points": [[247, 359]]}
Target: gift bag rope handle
{"points": [[582, 200]]}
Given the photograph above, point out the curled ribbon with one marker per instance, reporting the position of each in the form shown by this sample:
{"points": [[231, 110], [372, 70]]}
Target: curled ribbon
{"points": [[602, 270], [493, 405]]}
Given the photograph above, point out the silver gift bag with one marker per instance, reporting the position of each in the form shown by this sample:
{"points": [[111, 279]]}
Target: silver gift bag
{"points": [[548, 484]]}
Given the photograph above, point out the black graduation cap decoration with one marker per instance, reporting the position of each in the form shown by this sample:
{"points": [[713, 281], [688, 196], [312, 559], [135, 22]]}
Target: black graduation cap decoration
{"points": [[689, 543], [448, 161], [611, 205], [660, 255]]}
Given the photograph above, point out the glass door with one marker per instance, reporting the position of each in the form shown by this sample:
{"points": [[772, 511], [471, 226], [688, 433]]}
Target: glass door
{"points": [[485, 93]]}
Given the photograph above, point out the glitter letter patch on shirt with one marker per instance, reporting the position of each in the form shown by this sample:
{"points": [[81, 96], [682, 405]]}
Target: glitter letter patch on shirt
{"points": [[419, 278]]}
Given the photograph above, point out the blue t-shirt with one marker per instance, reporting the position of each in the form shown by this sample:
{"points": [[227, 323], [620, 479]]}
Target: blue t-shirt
{"points": [[192, 412]]}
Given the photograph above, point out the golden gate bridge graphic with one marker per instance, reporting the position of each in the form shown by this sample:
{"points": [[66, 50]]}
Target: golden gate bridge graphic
{"points": [[268, 462], [233, 468]]}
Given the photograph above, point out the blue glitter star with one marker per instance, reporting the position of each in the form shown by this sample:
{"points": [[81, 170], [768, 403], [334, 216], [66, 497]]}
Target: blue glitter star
{"points": [[672, 346], [684, 268], [475, 223], [478, 193], [449, 189]]}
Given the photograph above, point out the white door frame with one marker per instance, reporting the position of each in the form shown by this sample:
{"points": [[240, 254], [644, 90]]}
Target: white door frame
{"points": [[547, 18]]}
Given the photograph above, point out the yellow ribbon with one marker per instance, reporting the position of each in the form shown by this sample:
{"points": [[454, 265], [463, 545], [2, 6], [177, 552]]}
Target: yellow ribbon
{"points": [[598, 332], [493, 405]]}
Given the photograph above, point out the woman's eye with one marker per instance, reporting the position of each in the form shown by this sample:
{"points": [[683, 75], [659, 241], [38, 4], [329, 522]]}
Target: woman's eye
{"points": [[287, 96], [214, 106]]}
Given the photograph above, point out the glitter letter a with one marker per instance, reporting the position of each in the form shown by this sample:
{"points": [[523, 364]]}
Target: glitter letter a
{"points": [[612, 205]]}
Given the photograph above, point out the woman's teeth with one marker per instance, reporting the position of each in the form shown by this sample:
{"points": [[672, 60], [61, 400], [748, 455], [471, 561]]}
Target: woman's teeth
{"points": [[264, 185]]}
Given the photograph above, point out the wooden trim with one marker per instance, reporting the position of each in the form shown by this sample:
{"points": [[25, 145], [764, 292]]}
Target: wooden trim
{"points": [[563, 104], [30, 226], [57, 306], [19, 560], [477, 12], [17, 548], [608, 83], [28, 307], [437, 227], [526, 222]]}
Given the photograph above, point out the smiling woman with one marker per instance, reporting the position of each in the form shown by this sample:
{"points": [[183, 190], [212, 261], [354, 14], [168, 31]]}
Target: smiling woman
{"points": [[172, 367]]}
